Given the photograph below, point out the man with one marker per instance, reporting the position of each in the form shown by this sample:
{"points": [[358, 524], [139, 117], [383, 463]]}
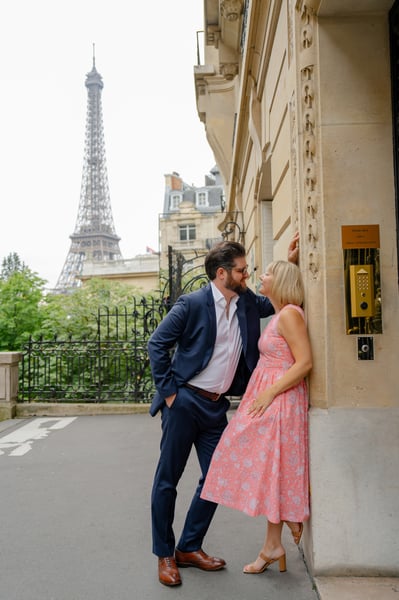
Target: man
{"points": [[214, 333]]}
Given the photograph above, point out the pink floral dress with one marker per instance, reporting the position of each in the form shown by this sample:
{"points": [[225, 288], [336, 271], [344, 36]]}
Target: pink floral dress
{"points": [[260, 465]]}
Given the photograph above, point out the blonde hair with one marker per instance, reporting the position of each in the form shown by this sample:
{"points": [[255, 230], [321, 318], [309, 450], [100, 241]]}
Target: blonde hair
{"points": [[287, 286]]}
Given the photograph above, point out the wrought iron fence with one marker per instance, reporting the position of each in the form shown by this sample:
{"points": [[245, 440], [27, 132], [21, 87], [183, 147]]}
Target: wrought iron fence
{"points": [[113, 366]]}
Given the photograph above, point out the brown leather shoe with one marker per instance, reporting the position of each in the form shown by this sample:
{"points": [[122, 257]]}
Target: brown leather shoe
{"points": [[199, 559], [168, 572]]}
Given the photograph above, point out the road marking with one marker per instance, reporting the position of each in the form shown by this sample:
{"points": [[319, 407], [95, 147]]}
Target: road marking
{"points": [[20, 441]]}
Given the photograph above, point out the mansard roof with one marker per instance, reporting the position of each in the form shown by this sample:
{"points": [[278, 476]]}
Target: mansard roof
{"points": [[213, 188]]}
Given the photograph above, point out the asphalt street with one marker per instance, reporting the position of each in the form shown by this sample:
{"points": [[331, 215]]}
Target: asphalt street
{"points": [[75, 519]]}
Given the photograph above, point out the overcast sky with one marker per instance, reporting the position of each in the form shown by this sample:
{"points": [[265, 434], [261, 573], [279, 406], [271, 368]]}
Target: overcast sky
{"points": [[145, 52]]}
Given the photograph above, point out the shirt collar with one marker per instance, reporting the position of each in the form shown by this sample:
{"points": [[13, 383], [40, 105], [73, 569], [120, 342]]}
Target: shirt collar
{"points": [[219, 298]]}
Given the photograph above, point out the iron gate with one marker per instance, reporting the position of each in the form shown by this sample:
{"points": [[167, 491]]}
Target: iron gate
{"points": [[114, 365]]}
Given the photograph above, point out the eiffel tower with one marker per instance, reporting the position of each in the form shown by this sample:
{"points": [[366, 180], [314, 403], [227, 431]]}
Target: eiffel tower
{"points": [[94, 238]]}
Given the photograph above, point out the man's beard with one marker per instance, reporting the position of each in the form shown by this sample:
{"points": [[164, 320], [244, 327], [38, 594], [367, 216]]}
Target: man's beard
{"points": [[236, 287]]}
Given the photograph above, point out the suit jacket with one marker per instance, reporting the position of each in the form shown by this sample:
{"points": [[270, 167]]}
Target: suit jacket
{"points": [[190, 330]]}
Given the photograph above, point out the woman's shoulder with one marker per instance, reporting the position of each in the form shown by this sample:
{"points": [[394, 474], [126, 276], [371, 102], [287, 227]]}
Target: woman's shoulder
{"points": [[293, 306], [291, 309]]}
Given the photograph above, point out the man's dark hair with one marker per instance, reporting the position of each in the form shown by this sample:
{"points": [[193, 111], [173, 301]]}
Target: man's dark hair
{"points": [[223, 255]]}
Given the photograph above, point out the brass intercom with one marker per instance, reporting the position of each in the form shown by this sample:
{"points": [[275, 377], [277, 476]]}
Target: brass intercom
{"points": [[363, 307], [362, 290]]}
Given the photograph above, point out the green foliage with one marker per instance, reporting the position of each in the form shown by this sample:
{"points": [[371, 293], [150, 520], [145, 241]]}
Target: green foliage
{"points": [[87, 366], [11, 264], [21, 295], [74, 315], [77, 370]]}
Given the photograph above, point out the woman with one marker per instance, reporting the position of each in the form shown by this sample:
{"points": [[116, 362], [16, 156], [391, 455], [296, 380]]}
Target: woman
{"points": [[260, 465]]}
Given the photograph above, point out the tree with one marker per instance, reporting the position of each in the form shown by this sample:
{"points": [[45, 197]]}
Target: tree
{"points": [[75, 314], [21, 295], [77, 362], [11, 264]]}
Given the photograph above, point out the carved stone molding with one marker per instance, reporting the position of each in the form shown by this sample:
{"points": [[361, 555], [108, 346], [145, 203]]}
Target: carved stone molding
{"points": [[290, 31], [229, 70], [307, 17], [213, 35], [231, 9], [201, 88], [294, 161], [309, 143]]}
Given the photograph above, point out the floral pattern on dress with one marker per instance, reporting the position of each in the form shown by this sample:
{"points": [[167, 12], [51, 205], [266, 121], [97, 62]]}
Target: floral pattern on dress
{"points": [[260, 465]]}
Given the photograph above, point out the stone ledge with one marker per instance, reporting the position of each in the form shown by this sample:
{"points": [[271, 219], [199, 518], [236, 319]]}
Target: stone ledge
{"points": [[357, 588], [7, 410], [72, 409]]}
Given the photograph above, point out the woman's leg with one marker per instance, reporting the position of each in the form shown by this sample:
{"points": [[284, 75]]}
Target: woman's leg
{"points": [[272, 550], [296, 530]]}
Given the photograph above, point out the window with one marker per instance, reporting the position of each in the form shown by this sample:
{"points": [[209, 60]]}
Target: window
{"points": [[187, 232], [175, 200], [201, 199]]}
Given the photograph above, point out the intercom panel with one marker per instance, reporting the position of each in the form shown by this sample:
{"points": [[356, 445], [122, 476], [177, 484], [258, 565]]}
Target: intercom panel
{"points": [[362, 290]]}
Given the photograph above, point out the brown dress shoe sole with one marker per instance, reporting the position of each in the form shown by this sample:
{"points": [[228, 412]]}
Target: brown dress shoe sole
{"points": [[170, 584], [183, 565]]}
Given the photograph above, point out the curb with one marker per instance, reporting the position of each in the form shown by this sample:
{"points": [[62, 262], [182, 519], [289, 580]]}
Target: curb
{"points": [[76, 409]]}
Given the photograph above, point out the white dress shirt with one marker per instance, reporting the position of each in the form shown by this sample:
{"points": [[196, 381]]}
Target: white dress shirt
{"points": [[219, 373]]}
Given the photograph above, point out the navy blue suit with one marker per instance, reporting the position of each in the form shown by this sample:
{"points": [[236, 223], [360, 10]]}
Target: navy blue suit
{"points": [[189, 330]]}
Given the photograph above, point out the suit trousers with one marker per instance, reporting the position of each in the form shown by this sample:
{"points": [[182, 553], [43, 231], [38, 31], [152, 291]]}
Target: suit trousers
{"points": [[192, 420]]}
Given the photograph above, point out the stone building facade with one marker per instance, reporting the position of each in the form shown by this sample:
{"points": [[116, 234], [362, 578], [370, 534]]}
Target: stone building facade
{"points": [[191, 216], [141, 271], [298, 99], [188, 227]]}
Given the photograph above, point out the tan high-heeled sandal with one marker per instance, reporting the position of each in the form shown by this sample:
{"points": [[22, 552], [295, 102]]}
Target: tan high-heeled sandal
{"points": [[297, 533], [268, 561]]}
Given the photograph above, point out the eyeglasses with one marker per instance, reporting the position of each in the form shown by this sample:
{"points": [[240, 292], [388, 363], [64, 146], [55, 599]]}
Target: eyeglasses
{"points": [[243, 270]]}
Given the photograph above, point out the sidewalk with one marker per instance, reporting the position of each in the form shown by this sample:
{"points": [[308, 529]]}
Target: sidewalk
{"points": [[357, 588], [75, 524]]}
